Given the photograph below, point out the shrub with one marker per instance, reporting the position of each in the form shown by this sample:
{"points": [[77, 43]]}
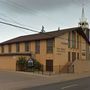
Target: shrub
{"points": [[37, 64], [21, 63]]}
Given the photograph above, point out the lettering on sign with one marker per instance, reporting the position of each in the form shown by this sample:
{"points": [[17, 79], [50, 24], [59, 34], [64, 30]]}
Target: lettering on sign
{"points": [[59, 54], [60, 51], [64, 43]]}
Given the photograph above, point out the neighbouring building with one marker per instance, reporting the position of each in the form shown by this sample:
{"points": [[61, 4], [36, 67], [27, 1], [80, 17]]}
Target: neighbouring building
{"points": [[55, 50]]}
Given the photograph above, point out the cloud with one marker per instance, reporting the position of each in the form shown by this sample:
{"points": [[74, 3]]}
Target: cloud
{"points": [[34, 6]]}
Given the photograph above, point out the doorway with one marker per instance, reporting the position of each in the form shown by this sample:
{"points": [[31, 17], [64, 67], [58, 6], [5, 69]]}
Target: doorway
{"points": [[49, 65]]}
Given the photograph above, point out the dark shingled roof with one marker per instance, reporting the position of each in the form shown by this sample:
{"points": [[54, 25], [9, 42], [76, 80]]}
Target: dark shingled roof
{"points": [[46, 35]]}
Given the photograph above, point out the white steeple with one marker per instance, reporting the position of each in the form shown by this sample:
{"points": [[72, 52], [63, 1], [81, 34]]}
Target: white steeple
{"points": [[83, 21]]}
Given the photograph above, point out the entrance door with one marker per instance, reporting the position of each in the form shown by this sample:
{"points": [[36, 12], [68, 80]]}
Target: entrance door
{"points": [[73, 56], [49, 65]]}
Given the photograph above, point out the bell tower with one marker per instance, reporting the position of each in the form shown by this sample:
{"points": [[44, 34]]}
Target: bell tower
{"points": [[83, 20], [85, 27]]}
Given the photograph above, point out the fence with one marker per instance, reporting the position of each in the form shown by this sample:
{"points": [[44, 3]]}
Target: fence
{"points": [[48, 70]]}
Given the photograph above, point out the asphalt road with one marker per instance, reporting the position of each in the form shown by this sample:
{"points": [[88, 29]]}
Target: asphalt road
{"points": [[78, 84], [16, 80]]}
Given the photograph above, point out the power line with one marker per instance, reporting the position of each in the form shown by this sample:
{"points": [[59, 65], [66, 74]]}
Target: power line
{"points": [[12, 20], [34, 31], [16, 5], [27, 9], [8, 21], [18, 26], [28, 29], [10, 3]]}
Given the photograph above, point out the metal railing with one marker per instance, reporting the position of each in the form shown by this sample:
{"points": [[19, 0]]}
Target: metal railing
{"points": [[48, 70]]}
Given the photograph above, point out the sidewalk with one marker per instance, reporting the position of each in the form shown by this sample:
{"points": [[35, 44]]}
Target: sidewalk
{"points": [[46, 79]]}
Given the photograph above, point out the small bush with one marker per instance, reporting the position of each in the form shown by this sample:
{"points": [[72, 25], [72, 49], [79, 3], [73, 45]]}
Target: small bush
{"points": [[21, 63]]}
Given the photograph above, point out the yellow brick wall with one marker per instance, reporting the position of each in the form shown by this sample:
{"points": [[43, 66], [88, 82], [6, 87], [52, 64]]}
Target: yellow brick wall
{"points": [[7, 63], [59, 55]]}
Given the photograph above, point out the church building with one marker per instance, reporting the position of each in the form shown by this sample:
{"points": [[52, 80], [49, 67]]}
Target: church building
{"points": [[66, 50]]}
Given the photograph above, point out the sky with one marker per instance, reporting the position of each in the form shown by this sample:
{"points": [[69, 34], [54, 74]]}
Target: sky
{"points": [[35, 13]]}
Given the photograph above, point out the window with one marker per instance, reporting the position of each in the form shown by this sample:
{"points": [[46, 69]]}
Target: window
{"points": [[73, 56], [69, 41], [49, 65], [37, 47], [26, 46], [69, 56], [78, 56], [17, 47], [49, 44], [77, 41], [87, 33], [9, 48], [2, 49], [73, 39]]}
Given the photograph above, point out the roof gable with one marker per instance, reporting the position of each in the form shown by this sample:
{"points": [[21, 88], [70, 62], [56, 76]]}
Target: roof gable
{"points": [[47, 35]]}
